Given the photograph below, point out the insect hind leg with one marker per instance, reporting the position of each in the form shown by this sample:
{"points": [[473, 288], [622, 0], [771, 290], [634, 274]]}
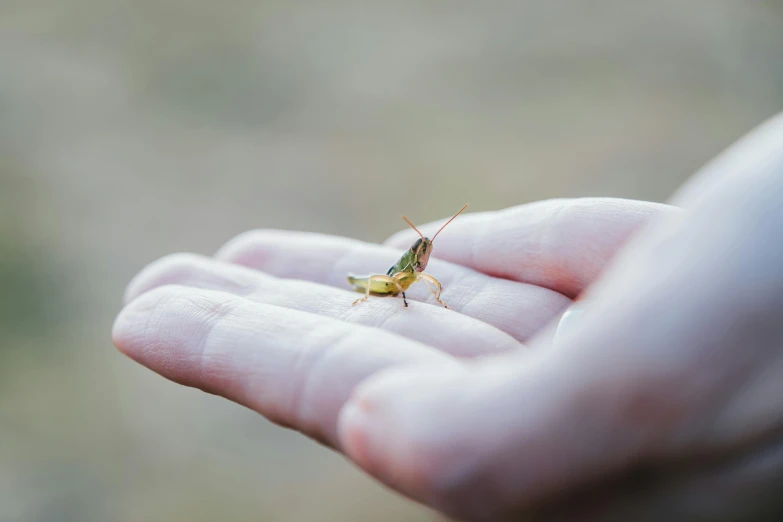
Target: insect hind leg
{"points": [[366, 293], [383, 279], [434, 286]]}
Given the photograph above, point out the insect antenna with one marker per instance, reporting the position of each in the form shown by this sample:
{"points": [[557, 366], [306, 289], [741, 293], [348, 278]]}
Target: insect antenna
{"points": [[447, 222], [412, 226]]}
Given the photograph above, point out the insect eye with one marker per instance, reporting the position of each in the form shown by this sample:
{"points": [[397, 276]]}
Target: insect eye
{"points": [[417, 244]]}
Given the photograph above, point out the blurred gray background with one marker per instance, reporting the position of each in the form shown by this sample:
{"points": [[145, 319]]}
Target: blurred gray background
{"points": [[132, 129]]}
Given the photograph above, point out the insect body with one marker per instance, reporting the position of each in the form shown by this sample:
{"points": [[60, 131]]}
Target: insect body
{"points": [[405, 272]]}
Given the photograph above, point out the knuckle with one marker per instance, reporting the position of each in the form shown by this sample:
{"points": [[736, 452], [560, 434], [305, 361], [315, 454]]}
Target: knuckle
{"points": [[170, 269]]}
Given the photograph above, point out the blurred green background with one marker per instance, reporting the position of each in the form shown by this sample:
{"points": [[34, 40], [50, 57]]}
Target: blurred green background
{"points": [[132, 129]]}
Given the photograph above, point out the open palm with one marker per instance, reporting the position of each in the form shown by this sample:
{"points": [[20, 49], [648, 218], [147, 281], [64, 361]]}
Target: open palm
{"points": [[268, 321]]}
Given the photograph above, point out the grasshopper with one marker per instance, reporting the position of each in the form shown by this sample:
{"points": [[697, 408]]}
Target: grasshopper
{"points": [[406, 271]]}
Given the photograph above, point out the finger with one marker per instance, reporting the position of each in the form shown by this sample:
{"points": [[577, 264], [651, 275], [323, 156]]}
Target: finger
{"points": [[562, 244], [443, 329], [520, 426], [296, 369], [515, 308]]}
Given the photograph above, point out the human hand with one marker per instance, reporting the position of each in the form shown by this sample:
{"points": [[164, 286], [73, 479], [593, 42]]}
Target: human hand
{"points": [[514, 430], [269, 323]]}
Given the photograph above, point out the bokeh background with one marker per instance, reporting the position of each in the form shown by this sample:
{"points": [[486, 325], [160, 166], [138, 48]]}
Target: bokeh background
{"points": [[130, 129]]}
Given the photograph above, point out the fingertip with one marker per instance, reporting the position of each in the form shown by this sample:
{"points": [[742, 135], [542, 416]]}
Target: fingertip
{"points": [[165, 330], [352, 425], [129, 325], [118, 330], [252, 247], [139, 284], [237, 244], [395, 427], [133, 289], [167, 270], [161, 315], [361, 423]]}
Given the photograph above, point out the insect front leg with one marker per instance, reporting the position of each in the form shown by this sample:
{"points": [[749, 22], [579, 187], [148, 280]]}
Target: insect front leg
{"points": [[438, 288], [403, 281]]}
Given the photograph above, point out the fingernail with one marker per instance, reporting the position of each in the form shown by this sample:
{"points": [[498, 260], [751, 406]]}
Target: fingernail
{"points": [[569, 321]]}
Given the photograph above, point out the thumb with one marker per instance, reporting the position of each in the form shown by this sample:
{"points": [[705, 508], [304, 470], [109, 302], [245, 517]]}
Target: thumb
{"points": [[483, 441]]}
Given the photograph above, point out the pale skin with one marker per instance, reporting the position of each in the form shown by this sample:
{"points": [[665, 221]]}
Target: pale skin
{"points": [[660, 400]]}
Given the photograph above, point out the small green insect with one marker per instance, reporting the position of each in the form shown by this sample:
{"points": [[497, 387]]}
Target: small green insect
{"points": [[405, 272]]}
